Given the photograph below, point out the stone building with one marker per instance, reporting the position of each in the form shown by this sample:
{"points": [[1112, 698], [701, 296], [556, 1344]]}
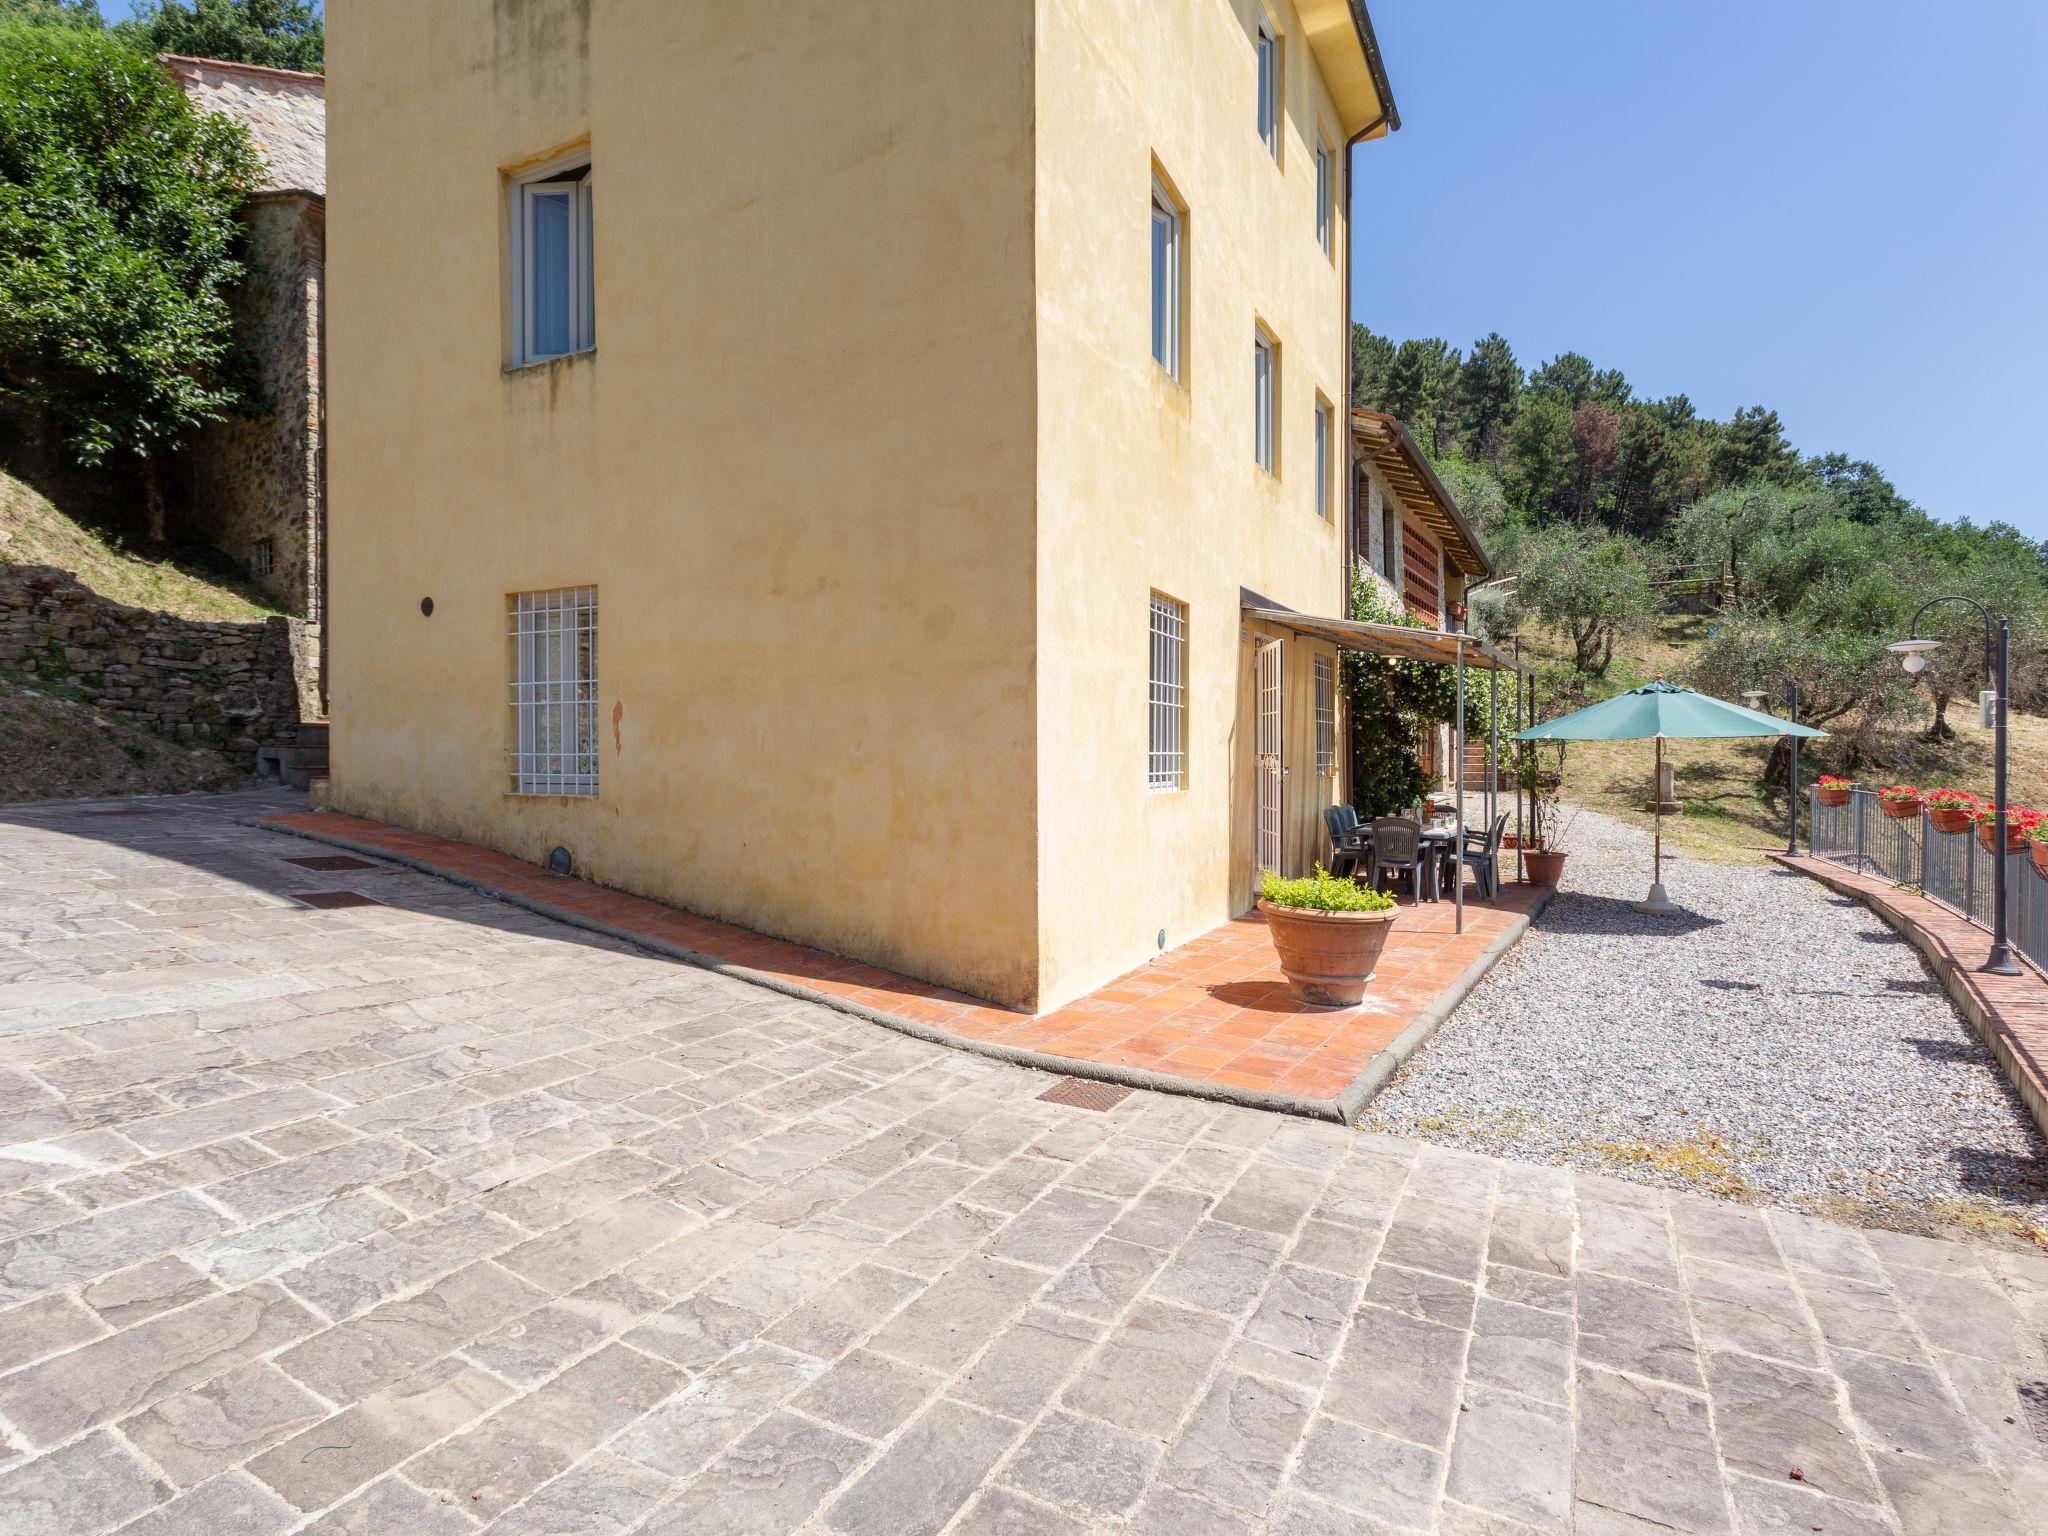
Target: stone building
{"points": [[258, 484]]}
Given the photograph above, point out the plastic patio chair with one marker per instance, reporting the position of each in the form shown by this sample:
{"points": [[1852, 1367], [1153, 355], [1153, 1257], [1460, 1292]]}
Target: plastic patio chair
{"points": [[1348, 844], [1481, 855], [1397, 850]]}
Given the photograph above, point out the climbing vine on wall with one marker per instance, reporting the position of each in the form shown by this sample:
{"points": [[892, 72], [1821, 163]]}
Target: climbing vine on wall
{"points": [[1392, 701]]}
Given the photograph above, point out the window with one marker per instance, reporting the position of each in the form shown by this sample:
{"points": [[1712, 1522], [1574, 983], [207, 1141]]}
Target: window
{"points": [[263, 558], [554, 692], [1269, 87], [1326, 195], [1326, 719], [1167, 224], [1325, 433], [551, 278], [1166, 741], [1265, 398]]}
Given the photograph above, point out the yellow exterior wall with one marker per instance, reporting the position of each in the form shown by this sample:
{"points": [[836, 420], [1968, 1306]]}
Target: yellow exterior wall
{"points": [[1147, 484], [799, 467], [871, 466]]}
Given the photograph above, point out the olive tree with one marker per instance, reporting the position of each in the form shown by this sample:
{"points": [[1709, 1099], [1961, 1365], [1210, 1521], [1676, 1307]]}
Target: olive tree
{"points": [[1593, 587]]}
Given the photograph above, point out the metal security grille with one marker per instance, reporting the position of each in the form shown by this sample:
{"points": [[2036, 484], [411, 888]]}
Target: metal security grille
{"points": [[1166, 755], [1326, 719], [1267, 747], [554, 692]]}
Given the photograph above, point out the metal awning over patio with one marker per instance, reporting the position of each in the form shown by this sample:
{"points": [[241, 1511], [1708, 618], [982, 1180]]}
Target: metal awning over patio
{"points": [[1428, 645], [1385, 639]]}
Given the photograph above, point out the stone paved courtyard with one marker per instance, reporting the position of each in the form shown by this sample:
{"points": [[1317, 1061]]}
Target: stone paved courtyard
{"points": [[430, 1217]]}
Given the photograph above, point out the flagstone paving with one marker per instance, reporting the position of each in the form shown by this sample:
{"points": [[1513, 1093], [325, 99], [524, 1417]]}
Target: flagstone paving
{"points": [[435, 1216]]}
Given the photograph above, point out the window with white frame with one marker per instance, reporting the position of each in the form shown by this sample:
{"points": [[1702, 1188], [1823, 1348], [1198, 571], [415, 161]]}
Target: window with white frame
{"points": [[1325, 434], [552, 295], [1326, 719], [1168, 226], [554, 692], [1265, 398], [1166, 755], [1326, 194], [1268, 44]]}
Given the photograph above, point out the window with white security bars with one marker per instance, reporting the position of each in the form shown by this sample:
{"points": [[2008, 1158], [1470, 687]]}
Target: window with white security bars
{"points": [[1326, 719], [1167, 755], [554, 692]]}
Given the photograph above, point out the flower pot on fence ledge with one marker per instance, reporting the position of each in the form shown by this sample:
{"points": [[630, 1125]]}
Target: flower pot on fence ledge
{"points": [[2015, 833], [1327, 957], [1951, 810], [1835, 791], [1544, 866], [2038, 847], [1900, 803]]}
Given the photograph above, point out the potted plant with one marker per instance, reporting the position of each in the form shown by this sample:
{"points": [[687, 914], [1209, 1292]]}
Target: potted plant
{"points": [[1951, 810], [1834, 791], [2035, 833], [1329, 933], [1901, 802], [2017, 820]]}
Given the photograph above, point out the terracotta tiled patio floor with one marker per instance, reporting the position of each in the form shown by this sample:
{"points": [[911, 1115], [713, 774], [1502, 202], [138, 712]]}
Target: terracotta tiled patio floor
{"points": [[1214, 1011]]}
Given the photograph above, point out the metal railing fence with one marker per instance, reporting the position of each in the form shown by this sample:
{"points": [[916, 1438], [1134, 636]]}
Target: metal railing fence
{"points": [[1955, 868]]}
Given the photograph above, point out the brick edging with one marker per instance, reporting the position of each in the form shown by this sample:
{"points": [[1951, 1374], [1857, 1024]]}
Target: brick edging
{"points": [[1381, 1069], [1043, 1061], [1898, 908]]}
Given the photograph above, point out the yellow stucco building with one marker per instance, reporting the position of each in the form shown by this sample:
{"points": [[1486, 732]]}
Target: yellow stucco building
{"points": [[813, 461]]}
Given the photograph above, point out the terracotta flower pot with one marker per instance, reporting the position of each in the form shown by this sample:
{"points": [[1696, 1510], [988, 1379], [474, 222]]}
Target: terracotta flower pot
{"points": [[1949, 818], [1835, 794], [1901, 809], [1989, 839], [1327, 957], [2040, 853], [1543, 866]]}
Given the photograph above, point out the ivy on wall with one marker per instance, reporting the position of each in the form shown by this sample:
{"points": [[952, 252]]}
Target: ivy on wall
{"points": [[1392, 702]]}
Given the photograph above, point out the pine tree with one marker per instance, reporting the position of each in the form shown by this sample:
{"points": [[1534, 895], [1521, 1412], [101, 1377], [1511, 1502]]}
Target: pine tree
{"points": [[1489, 385]]}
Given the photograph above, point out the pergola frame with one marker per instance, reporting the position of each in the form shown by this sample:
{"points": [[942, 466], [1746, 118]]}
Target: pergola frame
{"points": [[1441, 648]]}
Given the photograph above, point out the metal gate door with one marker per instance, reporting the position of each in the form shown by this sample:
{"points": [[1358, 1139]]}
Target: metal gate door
{"points": [[1267, 748]]}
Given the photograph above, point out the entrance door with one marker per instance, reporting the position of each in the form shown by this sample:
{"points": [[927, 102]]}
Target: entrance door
{"points": [[1268, 770]]}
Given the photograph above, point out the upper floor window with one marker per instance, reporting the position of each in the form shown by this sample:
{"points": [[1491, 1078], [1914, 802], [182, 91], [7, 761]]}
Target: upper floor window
{"points": [[1168, 223], [1326, 194], [551, 249], [1269, 87], [1325, 434], [1265, 398]]}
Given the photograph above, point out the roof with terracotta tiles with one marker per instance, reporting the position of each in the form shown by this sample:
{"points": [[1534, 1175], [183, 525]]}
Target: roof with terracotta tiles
{"points": [[284, 110]]}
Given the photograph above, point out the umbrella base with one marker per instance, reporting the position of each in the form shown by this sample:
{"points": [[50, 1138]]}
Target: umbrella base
{"points": [[1657, 904]]}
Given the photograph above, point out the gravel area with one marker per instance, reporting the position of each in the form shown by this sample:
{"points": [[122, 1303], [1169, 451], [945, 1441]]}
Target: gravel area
{"points": [[1777, 1043]]}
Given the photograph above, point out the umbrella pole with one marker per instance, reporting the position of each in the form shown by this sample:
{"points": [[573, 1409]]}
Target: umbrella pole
{"points": [[1657, 904]]}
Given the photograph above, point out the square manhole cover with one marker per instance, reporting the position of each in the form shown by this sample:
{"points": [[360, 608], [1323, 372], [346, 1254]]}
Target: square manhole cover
{"points": [[328, 899], [1082, 1093], [332, 861]]}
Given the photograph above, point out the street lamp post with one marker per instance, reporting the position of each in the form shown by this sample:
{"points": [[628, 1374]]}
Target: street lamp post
{"points": [[1912, 654], [1755, 699]]}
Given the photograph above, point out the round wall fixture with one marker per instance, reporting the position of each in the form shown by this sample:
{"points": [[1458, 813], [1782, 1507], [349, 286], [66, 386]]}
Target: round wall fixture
{"points": [[1162, 938], [427, 606], [558, 862]]}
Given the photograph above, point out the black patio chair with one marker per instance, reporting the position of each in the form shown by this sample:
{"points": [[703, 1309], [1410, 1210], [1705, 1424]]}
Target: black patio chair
{"points": [[1481, 855], [1349, 844], [1397, 850]]}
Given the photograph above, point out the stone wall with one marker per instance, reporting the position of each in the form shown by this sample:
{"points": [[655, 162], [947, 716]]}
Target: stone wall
{"points": [[256, 484], [225, 685]]}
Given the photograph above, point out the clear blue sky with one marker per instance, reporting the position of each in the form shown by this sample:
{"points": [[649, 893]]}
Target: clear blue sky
{"points": [[1836, 208]]}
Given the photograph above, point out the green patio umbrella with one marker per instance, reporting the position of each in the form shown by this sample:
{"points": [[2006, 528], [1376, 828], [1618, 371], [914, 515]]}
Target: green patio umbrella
{"points": [[1661, 712]]}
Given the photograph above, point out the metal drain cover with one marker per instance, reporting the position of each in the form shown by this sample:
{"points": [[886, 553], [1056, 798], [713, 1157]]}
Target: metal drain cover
{"points": [[326, 899], [1085, 1093], [332, 861]]}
